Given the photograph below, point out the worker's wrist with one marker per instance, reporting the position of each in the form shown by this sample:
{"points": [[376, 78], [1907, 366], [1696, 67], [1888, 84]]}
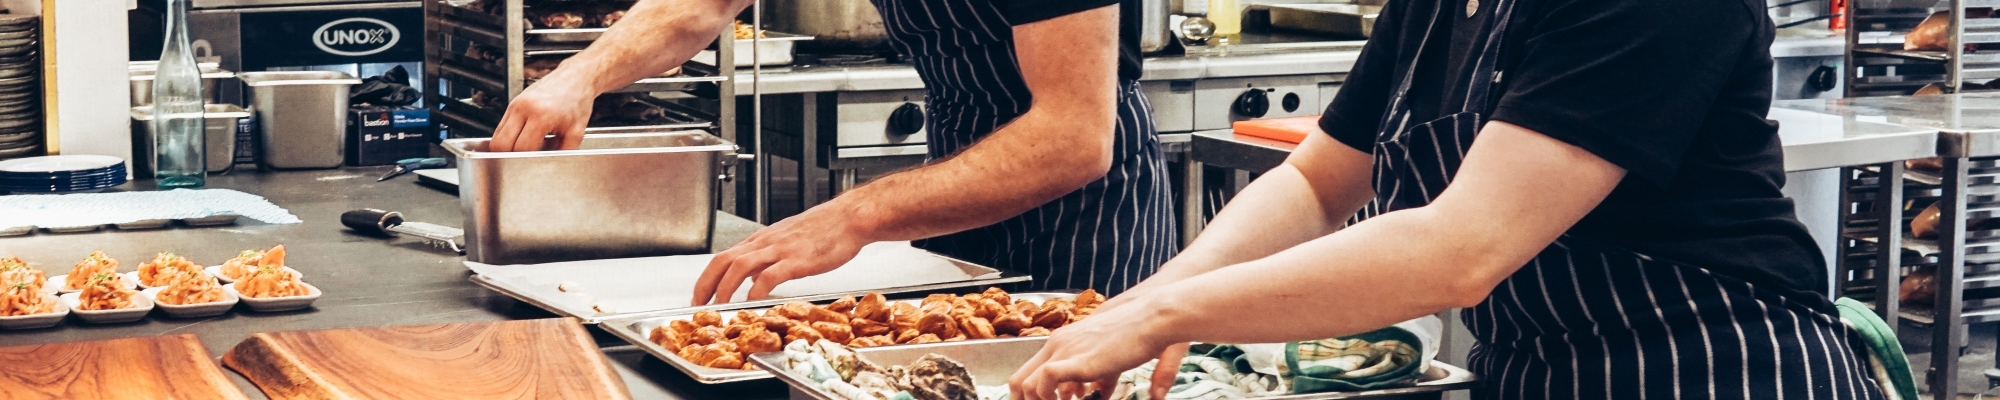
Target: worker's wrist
{"points": [[1170, 313]]}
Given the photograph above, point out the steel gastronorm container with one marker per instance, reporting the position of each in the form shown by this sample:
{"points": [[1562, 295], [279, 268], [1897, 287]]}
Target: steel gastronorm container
{"points": [[617, 196]]}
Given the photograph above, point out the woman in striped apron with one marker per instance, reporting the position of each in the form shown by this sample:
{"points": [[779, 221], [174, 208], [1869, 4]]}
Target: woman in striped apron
{"points": [[1043, 155], [1486, 178]]}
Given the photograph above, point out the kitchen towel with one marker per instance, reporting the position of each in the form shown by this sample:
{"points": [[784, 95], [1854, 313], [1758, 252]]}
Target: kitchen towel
{"points": [[74, 210], [1388, 357]]}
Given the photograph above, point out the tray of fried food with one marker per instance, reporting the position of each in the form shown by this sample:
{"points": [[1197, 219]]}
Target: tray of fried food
{"points": [[105, 299], [163, 269], [191, 294], [25, 301], [92, 265], [712, 346]]}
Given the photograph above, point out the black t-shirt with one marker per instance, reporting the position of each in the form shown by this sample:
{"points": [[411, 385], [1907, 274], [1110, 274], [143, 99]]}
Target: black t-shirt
{"points": [[1022, 12], [1674, 92]]}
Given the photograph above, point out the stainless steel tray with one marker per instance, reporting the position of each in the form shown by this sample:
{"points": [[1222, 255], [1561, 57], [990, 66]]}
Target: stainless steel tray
{"points": [[1338, 19], [637, 330], [589, 317], [992, 362], [566, 35]]}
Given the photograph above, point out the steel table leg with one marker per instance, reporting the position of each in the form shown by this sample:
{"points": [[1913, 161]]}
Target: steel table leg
{"points": [[1192, 218], [1950, 301], [1889, 242]]}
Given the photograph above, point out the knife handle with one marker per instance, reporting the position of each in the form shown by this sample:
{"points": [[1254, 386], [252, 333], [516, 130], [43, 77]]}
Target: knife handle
{"points": [[371, 220]]}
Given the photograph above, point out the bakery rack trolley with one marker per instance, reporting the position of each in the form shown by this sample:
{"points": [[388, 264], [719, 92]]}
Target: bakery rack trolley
{"points": [[1879, 66], [1964, 256], [508, 43]]}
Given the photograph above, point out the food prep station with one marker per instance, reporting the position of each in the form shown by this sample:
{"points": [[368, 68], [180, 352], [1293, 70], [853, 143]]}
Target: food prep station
{"points": [[807, 126]]}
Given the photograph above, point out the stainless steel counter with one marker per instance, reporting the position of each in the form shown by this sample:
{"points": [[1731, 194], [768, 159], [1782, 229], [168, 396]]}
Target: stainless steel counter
{"points": [[368, 281], [815, 79], [1968, 124]]}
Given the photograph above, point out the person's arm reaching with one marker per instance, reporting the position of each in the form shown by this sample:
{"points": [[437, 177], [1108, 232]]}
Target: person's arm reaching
{"points": [[1517, 191], [654, 36], [1063, 142]]}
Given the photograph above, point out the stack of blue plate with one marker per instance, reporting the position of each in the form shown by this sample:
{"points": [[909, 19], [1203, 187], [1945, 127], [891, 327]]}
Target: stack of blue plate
{"points": [[61, 174]]}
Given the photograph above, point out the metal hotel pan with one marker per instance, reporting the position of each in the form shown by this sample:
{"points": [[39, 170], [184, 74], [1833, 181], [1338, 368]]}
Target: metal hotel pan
{"points": [[617, 196], [639, 329], [991, 362]]}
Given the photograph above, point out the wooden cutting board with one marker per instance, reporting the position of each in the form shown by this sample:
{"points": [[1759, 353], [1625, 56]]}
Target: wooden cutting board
{"points": [[158, 367], [545, 359]]}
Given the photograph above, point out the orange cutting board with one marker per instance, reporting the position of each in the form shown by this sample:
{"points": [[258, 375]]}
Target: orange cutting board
{"points": [[1293, 129], [542, 359], [157, 367]]}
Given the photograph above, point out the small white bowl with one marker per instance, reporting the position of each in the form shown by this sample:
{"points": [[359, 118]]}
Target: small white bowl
{"points": [[216, 271], [144, 305], [58, 281], [197, 310], [270, 304], [37, 321]]}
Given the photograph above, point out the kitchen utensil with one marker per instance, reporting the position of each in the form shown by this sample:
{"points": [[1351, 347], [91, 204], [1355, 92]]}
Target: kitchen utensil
{"points": [[303, 116], [483, 360], [543, 206], [386, 222], [1153, 24], [847, 25], [148, 367], [408, 165], [1193, 31]]}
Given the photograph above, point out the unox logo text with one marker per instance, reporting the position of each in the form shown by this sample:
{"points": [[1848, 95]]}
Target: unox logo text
{"points": [[356, 36]]}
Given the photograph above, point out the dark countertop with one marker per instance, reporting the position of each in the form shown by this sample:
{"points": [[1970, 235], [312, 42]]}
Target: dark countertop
{"points": [[368, 281]]}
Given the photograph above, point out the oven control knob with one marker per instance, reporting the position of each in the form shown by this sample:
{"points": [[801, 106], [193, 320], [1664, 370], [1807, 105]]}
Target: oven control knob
{"points": [[906, 120], [1822, 78], [1253, 104]]}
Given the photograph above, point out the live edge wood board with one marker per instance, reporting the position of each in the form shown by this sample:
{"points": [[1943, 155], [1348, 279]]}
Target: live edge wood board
{"points": [[540, 359], [158, 367]]}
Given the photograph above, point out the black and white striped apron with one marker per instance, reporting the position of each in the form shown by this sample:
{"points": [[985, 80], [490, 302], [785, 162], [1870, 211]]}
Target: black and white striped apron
{"points": [[1106, 236], [1587, 321]]}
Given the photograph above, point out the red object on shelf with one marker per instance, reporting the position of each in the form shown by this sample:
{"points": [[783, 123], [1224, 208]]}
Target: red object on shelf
{"points": [[1839, 8], [1293, 129]]}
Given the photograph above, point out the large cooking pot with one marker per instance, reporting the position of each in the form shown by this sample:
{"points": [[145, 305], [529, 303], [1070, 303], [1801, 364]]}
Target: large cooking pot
{"points": [[833, 24], [854, 25]]}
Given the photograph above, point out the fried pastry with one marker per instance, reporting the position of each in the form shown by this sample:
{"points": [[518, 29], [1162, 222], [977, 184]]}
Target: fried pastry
{"points": [[865, 327], [939, 324], [759, 340], [797, 310], [836, 332], [872, 307], [708, 335], [1012, 323], [1035, 331], [977, 328], [707, 318], [844, 305], [822, 314], [926, 338], [803, 332], [775, 323]]}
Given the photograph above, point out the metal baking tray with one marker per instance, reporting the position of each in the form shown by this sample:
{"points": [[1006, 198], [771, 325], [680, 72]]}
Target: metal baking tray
{"points": [[573, 35], [638, 330], [992, 362], [1337, 19], [774, 49], [589, 317]]}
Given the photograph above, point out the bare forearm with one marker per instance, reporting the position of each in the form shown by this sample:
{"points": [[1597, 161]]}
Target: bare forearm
{"points": [[655, 36], [1388, 269], [1273, 213], [1002, 176]]}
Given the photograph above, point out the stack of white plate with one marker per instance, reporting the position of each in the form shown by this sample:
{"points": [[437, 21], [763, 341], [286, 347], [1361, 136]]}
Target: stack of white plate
{"points": [[20, 86], [61, 174]]}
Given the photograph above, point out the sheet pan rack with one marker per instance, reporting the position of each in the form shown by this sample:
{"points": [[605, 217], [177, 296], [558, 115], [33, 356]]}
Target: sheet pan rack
{"points": [[1878, 65]]}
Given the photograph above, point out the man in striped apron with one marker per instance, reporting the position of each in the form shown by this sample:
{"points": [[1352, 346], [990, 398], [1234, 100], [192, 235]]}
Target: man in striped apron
{"points": [[1612, 230], [1043, 154]]}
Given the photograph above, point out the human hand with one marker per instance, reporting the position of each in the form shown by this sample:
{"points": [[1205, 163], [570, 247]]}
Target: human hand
{"points": [[808, 244], [1095, 351], [1167, 370], [550, 106]]}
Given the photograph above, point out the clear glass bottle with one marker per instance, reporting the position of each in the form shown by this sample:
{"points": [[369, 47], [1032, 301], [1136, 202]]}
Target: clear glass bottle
{"points": [[178, 131]]}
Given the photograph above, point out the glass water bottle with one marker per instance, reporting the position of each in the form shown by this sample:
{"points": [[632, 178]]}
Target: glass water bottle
{"points": [[178, 140]]}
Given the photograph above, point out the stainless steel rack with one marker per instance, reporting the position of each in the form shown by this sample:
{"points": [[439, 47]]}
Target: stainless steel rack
{"points": [[699, 97], [1878, 65]]}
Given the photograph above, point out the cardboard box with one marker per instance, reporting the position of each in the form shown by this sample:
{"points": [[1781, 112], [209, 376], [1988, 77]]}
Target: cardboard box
{"points": [[382, 136]]}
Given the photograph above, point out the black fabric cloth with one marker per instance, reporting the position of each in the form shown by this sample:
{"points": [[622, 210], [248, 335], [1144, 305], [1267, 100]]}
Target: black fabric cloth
{"points": [[1107, 235], [1673, 91], [1023, 12]]}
